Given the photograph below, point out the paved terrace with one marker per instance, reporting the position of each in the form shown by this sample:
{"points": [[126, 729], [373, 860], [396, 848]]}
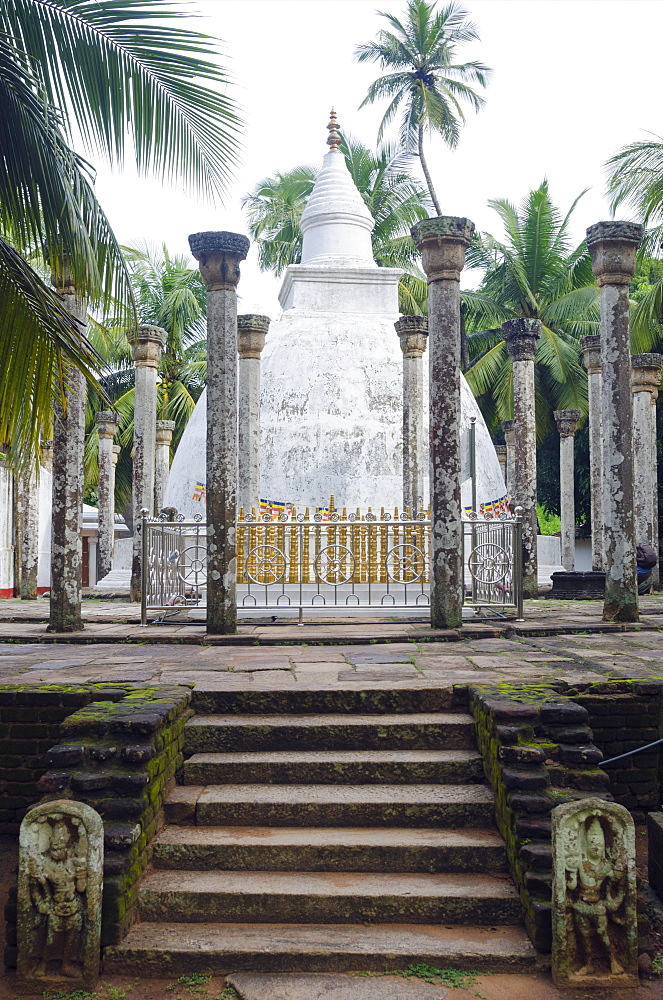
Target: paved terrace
{"points": [[557, 640]]}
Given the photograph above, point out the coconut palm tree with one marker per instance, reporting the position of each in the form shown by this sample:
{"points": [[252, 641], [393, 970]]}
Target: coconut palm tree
{"points": [[169, 293], [396, 202], [423, 82], [125, 80], [636, 181], [533, 272]]}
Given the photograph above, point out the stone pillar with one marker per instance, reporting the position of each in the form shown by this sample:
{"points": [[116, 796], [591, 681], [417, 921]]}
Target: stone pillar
{"points": [[645, 380], [654, 469], [567, 424], [27, 511], [6, 527], [509, 429], [442, 243], [106, 426], [219, 255], [591, 349], [67, 496], [521, 336], [500, 451], [164, 438], [413, 334], [146, 347], [251, 333], [613, 246]]}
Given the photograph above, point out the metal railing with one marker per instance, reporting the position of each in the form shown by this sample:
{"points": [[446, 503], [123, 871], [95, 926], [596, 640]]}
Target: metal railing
{"points": [[336, 563]]}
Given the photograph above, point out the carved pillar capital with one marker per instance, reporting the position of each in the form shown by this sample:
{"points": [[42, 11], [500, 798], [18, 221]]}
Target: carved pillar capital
{"points": [[567, 422], [165, 430], [646, 373], [251, 332], [442, 243], [219, 255], [591, 352], [147, 344], [107, 423], [520, 336], [413, 334], [613, 246]]}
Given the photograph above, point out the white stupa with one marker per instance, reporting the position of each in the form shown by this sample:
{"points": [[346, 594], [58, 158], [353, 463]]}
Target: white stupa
{"points": [[331, 401]]}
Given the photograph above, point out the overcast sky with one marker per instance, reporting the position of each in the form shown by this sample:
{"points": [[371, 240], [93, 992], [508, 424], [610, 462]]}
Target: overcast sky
{"points": [[573, 81]]}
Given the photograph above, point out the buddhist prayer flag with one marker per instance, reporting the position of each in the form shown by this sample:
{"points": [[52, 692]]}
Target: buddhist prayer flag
{"points": [[199, 492]]}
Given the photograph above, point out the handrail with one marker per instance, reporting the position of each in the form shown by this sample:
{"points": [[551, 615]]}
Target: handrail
{"points": [[630, 753]]}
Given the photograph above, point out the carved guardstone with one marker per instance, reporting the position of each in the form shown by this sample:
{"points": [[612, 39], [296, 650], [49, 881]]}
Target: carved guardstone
{"points": [[60, 873], [595, 926]]}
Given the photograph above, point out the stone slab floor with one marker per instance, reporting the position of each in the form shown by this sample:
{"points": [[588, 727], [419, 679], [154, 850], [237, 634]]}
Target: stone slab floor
{"points": [[415, 662], [581, 655]]}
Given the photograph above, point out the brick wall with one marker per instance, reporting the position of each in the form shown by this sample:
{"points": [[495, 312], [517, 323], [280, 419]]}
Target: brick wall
{"points": [[119, 753], [537, 752]]}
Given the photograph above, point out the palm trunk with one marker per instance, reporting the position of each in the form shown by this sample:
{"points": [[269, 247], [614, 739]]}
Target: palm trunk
{"points": [[424, 167]]}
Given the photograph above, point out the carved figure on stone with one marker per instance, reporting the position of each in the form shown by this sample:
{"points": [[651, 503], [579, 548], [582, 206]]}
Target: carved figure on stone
{"points": [[594, 907], [59, 895]]}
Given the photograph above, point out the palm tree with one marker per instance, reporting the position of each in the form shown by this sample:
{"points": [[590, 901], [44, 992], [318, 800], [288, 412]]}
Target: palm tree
{"points": [[396, 202], [423, 80], [533, 272], [636, 180], [169, 293], [128, 81]]}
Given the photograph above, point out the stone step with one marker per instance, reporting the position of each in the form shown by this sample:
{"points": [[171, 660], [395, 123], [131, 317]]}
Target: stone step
{"points": [[173, 949], [317, 767], [323, 897], [421, 731], [332, 849], [395, 696], [332, 805]]}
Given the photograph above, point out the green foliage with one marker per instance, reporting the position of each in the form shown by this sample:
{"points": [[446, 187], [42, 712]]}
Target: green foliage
{"points": [[454, 978], [657, 965], [169, 293], [533, 272], [128, 81], [274, 209], [423, 82], [549, 524]]}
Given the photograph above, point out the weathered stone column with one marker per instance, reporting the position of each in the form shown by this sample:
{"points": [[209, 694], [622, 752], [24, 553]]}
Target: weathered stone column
{"points": [[219, 255], [500, 451], [27, 510], [67, 496], [413, 334], [613, 246], [6, 526], [442, 243], [521, 336], [591, 349], [654, 469], [509, 429], [251, 333], [107, 423], [645, 380], [567, 424], [164, 438], [146, 347]]}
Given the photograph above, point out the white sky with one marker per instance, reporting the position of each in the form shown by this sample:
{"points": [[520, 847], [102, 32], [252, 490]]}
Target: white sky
{"points": [[573, 81]]}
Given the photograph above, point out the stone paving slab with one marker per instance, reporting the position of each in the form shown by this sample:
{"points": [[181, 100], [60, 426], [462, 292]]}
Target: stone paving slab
{"points": [[279, 986], [420, 664]]}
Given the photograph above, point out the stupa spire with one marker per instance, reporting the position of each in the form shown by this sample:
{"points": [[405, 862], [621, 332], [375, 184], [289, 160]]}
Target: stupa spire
{"points": [[334, 138], [336, 224]]}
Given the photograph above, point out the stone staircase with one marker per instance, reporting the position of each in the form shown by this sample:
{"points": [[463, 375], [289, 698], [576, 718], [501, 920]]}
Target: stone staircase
{"points": [[351, 830]]}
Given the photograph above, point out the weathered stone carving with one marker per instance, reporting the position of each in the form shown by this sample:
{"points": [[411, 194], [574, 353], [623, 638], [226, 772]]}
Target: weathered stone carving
{"points": [[595, 932], [59, 895]]}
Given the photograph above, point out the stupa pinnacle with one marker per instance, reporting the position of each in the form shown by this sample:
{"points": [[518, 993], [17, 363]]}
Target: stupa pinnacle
{"points": [[336, 224]]}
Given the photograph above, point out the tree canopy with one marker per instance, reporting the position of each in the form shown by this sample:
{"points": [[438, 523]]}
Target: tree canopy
{"points": [[124, 80], [533, 272], [423, 81]]}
